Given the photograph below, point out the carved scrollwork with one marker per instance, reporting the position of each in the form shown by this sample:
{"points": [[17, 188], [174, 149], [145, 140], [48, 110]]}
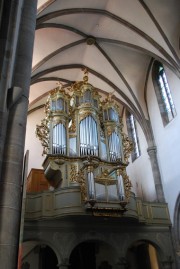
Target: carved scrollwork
{"points": [[42, 132], [82, 182], [127, 147], [127, 183], [84, 115], [105, 179], [74, 174], [72, 128], [78, 177]]}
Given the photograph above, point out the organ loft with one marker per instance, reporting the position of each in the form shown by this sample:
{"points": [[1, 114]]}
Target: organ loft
{"points": [[84, 144]]}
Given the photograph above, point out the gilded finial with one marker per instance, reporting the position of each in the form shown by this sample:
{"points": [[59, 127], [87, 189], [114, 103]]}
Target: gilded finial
{"points": [[59, 84], [110, 95], [85, 78]]}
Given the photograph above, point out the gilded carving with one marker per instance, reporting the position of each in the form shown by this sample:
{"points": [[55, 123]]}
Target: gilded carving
{"points": [[84, 115], [127, 183], [78, 177], [73, 173], [82, 182], [105, 179], [127, 147], [72, 128], [42, 132], [112, 128], [107, 212]]}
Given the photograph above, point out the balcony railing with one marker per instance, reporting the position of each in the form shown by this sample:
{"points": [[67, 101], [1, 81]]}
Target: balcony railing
{"points": [[67, 202]]}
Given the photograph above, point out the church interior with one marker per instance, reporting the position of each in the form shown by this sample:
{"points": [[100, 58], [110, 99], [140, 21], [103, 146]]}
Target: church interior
{"points": [[89, 144]]}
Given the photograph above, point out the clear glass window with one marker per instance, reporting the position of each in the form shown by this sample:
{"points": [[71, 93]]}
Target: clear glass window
{"points": [[133, 135], [163, 93]]}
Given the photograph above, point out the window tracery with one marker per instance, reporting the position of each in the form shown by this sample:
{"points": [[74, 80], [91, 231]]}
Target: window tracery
{"points": [[163, 93]]}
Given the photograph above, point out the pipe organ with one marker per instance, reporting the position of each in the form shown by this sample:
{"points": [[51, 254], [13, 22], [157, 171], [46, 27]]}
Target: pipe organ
{"points": [[82, 138]]}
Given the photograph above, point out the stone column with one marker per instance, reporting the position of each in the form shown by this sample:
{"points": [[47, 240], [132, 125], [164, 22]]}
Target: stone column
{"points": [[152, 151], [8, 42], [11, 177]]}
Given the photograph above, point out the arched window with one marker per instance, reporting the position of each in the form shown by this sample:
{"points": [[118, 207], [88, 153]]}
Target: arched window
{"points": [[133, 135], [163, 93]]}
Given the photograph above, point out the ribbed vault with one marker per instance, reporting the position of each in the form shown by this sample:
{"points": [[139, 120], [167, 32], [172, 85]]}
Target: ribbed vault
{"points": [[116, 40]]}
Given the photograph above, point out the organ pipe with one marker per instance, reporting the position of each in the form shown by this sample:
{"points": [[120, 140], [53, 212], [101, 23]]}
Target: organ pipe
{"points": [[114, 146], [94, 131], [59, 139], [88, 136]]}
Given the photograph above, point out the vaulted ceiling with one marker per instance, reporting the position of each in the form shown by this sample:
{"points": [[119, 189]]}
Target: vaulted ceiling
{"points": [[116, 40]]}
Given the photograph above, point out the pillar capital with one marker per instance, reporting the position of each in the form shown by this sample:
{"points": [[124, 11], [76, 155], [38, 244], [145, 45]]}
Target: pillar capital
{"points": [[64, 264], [152, 150]]}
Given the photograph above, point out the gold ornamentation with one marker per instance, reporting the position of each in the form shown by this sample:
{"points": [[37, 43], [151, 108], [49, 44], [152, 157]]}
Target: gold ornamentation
{"points": [[85, 78], [84, 115], [105, 179], [108, 212], [109, 102], [127, 147], [78, 177], [42, 132], [86, 102], [73, 174], [58, 121], [90, 167], [72, 128], [111, 128], [127, 183], [82, 182], [102, 135]]}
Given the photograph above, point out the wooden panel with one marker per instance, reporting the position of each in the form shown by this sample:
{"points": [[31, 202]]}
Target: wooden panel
{"points": [[36, 181]]}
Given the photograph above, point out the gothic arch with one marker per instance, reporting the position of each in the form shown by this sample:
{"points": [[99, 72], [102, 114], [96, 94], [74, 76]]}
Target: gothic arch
{"points": [[146, 248], [39, 243], [93, 254]]}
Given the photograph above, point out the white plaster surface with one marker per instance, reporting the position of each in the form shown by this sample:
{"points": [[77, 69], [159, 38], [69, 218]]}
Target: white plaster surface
{"points": [[167, 140], [32, 143], [140, 172]]}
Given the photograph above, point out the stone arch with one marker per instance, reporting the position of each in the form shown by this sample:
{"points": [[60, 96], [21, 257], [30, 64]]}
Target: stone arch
{"points": [[90, 236], [149, 250], [93, 253], [36, 245]]}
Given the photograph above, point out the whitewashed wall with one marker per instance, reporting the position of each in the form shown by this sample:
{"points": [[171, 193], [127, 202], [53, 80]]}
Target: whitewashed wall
{"points": [[32, 143], [140, 172], [167, 140]]}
